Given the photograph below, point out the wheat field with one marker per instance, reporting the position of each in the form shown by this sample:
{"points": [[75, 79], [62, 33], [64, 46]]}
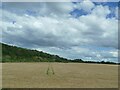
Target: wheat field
{"points": [[59, 75]]}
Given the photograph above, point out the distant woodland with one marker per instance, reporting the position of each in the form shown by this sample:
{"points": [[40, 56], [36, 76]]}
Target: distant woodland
{"points": [[18, 54]]}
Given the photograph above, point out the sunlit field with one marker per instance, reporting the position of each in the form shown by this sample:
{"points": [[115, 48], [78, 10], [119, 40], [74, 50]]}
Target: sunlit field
{"points": [[59, 75]]}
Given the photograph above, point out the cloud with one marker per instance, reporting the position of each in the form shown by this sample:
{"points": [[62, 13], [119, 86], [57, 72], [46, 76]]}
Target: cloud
{"points": [[40, 8], [101, 11], [86, 5], [53, 29], [84, 53]]}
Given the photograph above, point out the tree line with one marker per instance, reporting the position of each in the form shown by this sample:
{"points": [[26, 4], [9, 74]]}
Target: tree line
{"points": [[18, 54]]}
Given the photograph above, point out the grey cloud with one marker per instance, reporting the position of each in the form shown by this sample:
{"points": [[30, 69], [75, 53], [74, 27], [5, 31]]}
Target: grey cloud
{"points": [[39, 8]]}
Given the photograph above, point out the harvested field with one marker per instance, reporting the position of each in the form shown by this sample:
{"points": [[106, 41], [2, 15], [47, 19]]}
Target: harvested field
{"points": [[66, 75]]}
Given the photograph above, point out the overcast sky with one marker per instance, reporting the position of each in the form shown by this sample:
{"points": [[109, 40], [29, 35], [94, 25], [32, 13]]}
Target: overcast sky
{"points": [[84, 30]]}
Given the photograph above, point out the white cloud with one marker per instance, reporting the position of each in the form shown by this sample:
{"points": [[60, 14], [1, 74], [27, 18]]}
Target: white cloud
{"points": [[101, 11], [86, 5], [54, 30], [116, 12], [114, 53]]}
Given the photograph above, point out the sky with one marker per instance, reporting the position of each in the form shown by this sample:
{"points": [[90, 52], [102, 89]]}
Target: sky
{"points": [[75, 30]]}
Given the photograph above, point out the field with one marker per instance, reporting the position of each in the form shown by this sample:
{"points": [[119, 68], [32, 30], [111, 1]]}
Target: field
{"points": [[66, 75]]}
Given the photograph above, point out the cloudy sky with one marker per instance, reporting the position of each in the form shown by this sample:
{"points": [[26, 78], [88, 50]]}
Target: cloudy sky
{"points": [[86, 30]]}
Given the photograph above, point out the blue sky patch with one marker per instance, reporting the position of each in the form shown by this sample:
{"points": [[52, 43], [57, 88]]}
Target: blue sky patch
{"points": [[77, 13]]}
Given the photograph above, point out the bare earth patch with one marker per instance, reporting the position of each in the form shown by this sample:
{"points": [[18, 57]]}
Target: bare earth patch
{"points": [[66, 75]]}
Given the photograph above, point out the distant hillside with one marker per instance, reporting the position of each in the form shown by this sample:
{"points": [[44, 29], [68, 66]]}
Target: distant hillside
{"points": [[18, 54]]}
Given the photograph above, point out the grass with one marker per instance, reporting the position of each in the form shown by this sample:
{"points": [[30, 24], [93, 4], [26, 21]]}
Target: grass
{"points": [[62, 75]]}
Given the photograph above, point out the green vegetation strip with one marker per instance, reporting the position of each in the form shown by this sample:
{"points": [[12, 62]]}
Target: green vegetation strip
{"points": [[18, 54]]}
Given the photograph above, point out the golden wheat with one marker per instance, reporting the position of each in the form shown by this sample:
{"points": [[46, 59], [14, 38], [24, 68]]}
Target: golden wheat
{"points": [[66, 75]]}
